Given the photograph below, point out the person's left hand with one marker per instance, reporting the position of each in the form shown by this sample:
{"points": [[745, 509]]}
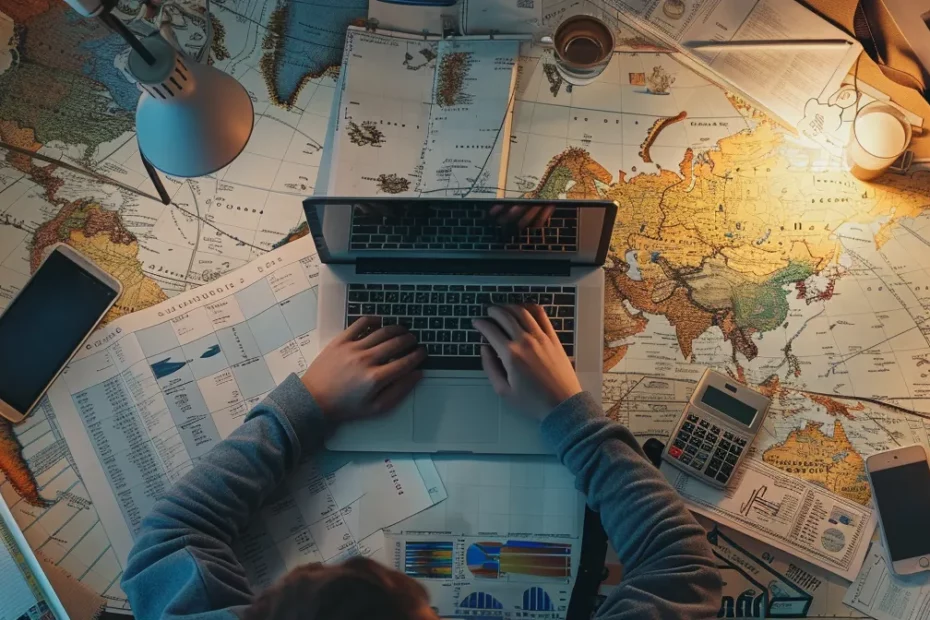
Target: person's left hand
{"points": [[361, 375]]}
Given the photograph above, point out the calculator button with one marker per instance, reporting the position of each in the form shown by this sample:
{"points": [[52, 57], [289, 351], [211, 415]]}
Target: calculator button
{"points": [[702, 456], [683, 435], [728, 435], [714, 429], [695, 441], [722, 477], [708, 446], [697, 464], [725, 445], [731, 459], [740, 441], [674, 452], [691, 450], [685, 458], [679, 444], [716, 463], [704, 423], [692, 417], [736, 450], [700, 433], [720, 453], [726, 469], [711, 471], [688, 426]]}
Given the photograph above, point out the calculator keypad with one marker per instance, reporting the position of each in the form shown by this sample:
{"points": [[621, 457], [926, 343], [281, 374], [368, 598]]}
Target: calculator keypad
{"points": [[707, 448]]}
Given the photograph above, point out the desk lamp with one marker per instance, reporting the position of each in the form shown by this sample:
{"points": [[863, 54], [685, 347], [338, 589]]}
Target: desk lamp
{"points": [[191, 119]]}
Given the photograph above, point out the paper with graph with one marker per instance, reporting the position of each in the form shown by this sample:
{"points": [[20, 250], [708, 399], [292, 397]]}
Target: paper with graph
{"points": [[506, 542], [154, 391], [784, 511]]}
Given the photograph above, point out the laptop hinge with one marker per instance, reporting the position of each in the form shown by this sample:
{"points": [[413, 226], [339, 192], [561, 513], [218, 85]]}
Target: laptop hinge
{"points": [[463, 267]]}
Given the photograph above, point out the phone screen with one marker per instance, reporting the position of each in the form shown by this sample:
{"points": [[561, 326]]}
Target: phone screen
{"points": [[903, 497], [43, 326]]}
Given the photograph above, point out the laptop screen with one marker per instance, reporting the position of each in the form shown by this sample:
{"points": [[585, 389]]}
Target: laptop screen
{"points": [[346, 229], [27, 594]]}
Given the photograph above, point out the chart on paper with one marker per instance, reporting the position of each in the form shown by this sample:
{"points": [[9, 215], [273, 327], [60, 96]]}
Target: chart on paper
{"points": [[505, 543]]}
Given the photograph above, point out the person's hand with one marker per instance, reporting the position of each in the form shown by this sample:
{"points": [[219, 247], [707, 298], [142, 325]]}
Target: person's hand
{"points": [[361, 374], [525, 360], [521, 217]]}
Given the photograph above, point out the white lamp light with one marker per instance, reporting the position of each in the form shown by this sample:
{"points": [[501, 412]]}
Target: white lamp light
{"points": [[191, 119]]}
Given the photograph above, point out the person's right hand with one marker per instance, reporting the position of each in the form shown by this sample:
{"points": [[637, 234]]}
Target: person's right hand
{"points": [[361, 375], [525, 360]]}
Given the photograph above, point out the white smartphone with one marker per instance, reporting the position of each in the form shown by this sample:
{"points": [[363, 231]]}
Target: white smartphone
{"points": [[900, 481], [46, 324]]}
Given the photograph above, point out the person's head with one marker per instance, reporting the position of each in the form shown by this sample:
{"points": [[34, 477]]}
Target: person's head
{"points": [[358, 589]]}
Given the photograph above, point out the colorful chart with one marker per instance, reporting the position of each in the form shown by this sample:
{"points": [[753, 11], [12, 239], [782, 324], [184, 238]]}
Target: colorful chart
{"points": [[537, 599], [480, 600], [492, 559], [428, 560], [484, 559]]}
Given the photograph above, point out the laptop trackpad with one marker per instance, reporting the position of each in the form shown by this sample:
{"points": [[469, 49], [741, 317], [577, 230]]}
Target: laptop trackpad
{"points": [[456, 414]]}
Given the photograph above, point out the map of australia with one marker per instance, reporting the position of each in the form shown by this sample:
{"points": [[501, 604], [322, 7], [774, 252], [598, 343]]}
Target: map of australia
{"points": [[830, 461]]}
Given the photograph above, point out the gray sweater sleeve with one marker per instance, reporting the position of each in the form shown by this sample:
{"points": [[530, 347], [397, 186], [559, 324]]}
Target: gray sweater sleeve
{"points": [[182, 564], [668, 568]]}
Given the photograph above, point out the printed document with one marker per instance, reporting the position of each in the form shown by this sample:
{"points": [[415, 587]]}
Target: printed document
{"points": [[883, 595], [779, 80], [152, 393], [421, 115], [507, 542], [786, 512]]}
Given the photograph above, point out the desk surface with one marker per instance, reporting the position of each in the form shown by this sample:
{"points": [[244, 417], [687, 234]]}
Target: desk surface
{"points": [[845, 287]]}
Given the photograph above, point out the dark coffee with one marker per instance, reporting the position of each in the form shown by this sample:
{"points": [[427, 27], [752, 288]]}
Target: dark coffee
{"points": [[583, 41]]}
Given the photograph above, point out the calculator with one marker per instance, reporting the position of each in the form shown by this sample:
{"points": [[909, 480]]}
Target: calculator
{"points": [[716, 429]]}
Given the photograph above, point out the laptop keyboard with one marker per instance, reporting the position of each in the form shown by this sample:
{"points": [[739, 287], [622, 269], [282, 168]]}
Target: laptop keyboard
{"points": [[440, 315], [460, 227]]}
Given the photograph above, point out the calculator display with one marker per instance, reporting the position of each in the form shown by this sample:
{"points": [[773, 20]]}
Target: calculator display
{"points": [[729, 406]]}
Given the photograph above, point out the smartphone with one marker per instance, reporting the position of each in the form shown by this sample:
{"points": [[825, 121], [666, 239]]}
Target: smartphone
{"points": [[46, 324], [900, 480]]}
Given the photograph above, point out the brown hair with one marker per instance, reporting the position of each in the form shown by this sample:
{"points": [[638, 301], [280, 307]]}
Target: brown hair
{"points": [[357, 589]]}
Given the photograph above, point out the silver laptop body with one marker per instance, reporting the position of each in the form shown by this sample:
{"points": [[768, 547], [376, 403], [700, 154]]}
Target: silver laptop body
{"points": [[405, 260]]}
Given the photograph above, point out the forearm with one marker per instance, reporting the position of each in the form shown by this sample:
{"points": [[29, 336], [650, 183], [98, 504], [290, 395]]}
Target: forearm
{"points": [[191, 530], [669, 570]]}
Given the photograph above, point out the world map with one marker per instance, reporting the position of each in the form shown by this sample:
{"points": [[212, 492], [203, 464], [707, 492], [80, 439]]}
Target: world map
{"points": [[738, 245]]}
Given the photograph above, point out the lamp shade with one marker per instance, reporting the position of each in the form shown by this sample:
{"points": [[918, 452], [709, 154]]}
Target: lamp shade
{"points": [[191, 119]]}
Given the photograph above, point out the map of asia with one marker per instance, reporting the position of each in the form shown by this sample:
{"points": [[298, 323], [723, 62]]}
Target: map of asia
{"points": [[739, 245]]}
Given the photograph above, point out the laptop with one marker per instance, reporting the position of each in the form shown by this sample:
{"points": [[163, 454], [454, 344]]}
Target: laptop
{"points": [[27, 593], [434, 265]]}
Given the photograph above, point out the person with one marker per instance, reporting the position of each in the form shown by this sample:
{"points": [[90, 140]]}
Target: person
{"points": [[183, 564]]}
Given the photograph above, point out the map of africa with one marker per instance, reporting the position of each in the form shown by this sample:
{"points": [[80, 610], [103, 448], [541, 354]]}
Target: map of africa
{"points": [[64, 96]]}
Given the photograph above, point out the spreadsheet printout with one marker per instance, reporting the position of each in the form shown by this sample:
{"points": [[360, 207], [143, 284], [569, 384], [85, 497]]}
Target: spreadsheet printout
{"points": [[155, 391]]}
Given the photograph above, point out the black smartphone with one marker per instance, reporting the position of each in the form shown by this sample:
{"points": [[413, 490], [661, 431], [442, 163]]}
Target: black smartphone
{"points": [[46, 323]]}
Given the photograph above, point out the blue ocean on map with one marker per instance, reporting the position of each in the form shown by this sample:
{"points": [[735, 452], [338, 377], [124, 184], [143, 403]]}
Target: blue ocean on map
{"points": [[166, 367], [313, 41], [214, 350]]}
